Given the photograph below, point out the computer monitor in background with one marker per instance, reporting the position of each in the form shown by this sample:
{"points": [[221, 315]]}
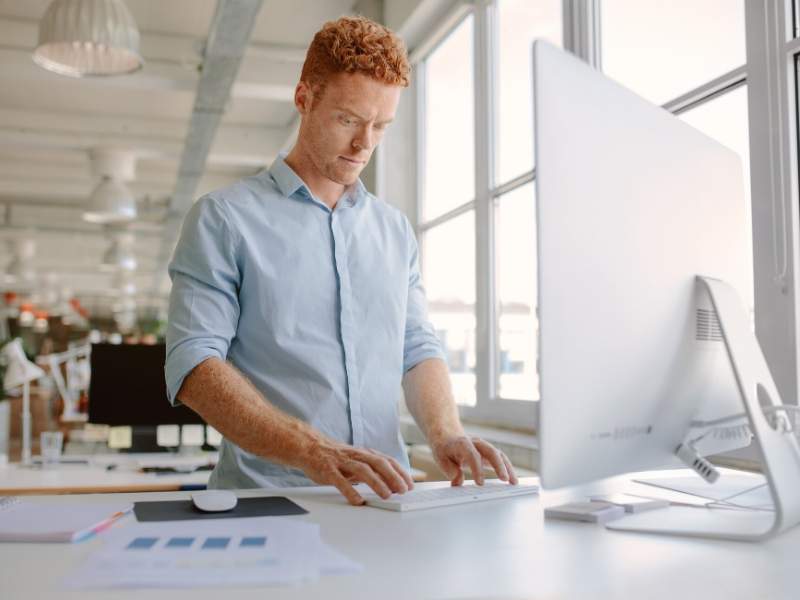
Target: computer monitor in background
{"points": [[127, 387], [632, 205]]}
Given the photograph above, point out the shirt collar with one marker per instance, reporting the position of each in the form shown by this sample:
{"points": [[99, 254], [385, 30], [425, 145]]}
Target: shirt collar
{"points": [[289, 183], [353, 193], [287, 180]]}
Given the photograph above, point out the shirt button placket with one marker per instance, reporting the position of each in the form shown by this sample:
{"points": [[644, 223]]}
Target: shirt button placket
{"points": [[347, 328]]}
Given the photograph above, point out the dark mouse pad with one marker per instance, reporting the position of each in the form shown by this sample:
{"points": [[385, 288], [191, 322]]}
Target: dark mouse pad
{"points": [[184, 510]]}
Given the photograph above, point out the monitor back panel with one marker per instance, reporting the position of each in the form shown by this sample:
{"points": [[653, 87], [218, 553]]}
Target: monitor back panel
{"points": [[632, 203]]}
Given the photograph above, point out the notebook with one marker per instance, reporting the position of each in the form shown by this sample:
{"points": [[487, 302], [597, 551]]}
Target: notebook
{"points": [[25, 521]]}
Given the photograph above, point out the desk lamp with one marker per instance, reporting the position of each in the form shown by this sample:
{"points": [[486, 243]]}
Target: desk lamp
{"points": [[70, 393], [20, 372]]}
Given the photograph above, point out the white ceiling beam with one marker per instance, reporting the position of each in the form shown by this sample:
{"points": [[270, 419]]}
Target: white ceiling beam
{"points": [[12, 230], [147, 169], [46, 201], [11, 169], [65, 190], [47, 211], [176, 47], [87, 122], [235, 144], [68, 188], [86, 269], [269, 81], [142, 146], [157, 184]]}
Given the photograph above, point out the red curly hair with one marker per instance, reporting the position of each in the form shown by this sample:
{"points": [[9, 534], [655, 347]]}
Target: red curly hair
{"points": [[355, 45]]}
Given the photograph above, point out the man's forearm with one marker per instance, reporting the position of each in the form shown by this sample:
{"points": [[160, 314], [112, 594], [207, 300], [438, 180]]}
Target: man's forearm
{"points": [[430, 401], [429, 398], [228, 402]]}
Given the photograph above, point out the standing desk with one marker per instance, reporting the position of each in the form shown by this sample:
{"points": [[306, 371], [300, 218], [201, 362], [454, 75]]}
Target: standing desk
{"points": [[501, 549]]}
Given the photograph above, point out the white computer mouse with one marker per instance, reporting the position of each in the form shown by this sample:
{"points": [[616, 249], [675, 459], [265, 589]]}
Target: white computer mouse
{"points": [[214, 500]]}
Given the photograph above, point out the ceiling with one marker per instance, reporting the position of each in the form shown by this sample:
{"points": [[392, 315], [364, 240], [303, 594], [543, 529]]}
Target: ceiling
{"points": [[49, 123]]}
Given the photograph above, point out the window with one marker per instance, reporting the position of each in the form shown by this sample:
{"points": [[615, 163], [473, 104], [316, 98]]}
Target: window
{"points": [[725, 119], [448, 244], [449, 171], [653, 47], [665, 66], [515, 227], [479, 237], [519, 23], [448, 268]]}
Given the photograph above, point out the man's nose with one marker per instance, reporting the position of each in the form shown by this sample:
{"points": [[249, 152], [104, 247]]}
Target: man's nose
{"points": [[365, 140]]}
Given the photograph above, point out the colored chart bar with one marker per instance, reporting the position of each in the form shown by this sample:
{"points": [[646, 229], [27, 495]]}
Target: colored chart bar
{"points": [[142, 543]]}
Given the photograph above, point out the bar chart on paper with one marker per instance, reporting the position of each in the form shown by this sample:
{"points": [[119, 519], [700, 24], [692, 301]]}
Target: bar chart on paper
{"points": [[235, 552], [198, 543], [185, 552]]}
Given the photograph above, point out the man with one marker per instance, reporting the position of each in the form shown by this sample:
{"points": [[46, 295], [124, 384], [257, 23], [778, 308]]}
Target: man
{"points": [[297, 308]]}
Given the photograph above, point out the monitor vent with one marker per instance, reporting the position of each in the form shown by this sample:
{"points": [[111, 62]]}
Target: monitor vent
{"points": [[708, 329]]}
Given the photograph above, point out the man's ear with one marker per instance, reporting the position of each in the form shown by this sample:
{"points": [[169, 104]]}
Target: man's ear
{"points": [[303, 97]]}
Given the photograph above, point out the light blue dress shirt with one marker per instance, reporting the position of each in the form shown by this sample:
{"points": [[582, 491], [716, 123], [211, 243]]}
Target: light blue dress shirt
{"points": [[322, 310]]}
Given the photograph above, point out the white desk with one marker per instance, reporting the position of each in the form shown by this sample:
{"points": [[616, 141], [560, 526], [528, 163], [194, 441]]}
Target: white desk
{"points": [[498, 549], [96, 478]]}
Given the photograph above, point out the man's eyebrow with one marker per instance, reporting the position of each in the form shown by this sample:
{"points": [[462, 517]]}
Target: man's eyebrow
{"points": [[347, 110], [358, 116]]}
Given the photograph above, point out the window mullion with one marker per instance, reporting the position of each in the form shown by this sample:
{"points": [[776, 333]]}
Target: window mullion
{"points": [[485, 334], [448, 216], [708, 91], [582, 34]]}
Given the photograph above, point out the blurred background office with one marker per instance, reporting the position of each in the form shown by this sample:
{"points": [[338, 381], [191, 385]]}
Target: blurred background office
{"points": [[103, 148]]}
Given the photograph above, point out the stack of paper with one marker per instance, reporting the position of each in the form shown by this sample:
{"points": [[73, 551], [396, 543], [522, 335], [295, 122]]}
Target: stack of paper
{"points": [[235, 552]]}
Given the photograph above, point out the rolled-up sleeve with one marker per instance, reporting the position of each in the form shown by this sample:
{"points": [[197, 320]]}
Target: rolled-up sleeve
{"points": [[204, 301], [421, 342]]}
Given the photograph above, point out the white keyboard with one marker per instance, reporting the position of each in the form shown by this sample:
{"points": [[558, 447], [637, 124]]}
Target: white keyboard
{"points": [[447, 496]]}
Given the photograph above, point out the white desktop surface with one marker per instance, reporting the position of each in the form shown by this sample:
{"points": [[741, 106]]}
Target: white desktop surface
{"points": [[95, 477], [500, 549]]}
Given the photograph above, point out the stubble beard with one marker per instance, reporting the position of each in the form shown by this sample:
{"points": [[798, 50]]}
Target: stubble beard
{"points": [[341, 175]]}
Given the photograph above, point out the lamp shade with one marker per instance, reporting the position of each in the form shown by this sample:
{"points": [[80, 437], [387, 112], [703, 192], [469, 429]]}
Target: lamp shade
{"points": [[88, 37], [19, 369], [110, 202]]}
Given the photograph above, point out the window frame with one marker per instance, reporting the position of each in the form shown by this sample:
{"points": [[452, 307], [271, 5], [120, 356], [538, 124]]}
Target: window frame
{"points": [[582, 36], [771, 49]]}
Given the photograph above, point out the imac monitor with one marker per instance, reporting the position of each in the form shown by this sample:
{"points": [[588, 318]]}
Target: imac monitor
{"points": [[127, 387], [632, 205]]}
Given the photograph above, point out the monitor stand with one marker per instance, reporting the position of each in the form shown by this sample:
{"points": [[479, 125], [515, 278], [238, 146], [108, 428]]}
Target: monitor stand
{"points": [[779, 450]]}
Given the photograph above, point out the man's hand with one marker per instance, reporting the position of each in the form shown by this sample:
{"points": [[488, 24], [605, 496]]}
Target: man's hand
{"points": [[454, 453], [331, 463]]}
